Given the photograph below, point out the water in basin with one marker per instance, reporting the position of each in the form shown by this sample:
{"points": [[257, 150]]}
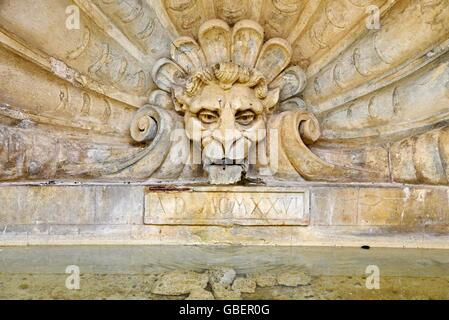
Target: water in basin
{"points": [[194, 272]]}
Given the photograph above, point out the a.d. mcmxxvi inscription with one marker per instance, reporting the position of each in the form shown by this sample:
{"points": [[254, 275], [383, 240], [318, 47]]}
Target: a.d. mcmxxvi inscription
{"points": [[228, 205]]}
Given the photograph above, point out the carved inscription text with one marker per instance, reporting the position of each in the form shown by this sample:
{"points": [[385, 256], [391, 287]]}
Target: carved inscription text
{"points": [[228, 205]]}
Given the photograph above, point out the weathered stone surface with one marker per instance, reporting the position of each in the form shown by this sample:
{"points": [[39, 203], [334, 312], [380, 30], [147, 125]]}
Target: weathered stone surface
{"points": [[425, 207], [223, 276], [334, 206], [293, 278], [383, 207], [200, 294], [118, 205], [51, 205], [71, 205], [228, 205], [393, 216], [180, 282], [67, 104], [264, 94], [222, 292], [406, 206], [266, 279], [387, 206], [244, 285]]}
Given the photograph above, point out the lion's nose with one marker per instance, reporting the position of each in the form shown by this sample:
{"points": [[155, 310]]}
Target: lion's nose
{"points": [[237, 150], [232, 143], [226, 135]]}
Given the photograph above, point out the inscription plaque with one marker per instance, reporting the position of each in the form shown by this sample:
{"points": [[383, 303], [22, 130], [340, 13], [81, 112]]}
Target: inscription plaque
{"points": [[227, 206]]}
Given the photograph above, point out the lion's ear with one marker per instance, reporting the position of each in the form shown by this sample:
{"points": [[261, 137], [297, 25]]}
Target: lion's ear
{"points": [[180, 99], [271, 100]]}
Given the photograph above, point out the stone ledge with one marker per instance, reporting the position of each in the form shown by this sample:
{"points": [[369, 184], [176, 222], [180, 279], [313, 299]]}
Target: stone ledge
{"points": [[34, 205], [342, 236], [395, 216]]}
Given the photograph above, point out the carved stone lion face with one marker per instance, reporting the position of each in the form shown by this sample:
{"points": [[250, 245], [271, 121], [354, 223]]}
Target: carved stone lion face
{"points": [[226, 84], [227, 123], [225, 112]]}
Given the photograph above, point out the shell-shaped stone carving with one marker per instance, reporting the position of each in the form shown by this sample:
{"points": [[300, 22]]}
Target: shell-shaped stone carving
{"points": [[167, 74], [74, 72], [214, 37], [275, 55], [242, 45], [188, 54], [292, 81], [247, 39]]}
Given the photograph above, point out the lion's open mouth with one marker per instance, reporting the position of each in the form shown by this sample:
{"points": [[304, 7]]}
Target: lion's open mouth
{"points": [[226, 171]]}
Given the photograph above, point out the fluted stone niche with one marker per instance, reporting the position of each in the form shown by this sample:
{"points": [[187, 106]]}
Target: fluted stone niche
{"points": [[224, 122]]}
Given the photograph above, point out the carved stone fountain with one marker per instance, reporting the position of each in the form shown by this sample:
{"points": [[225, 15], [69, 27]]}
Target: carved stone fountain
{"points": [[246, 122]]}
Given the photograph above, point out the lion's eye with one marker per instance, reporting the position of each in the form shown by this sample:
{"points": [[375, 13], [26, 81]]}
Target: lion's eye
{"points": [[245, 117], [207, 116]]}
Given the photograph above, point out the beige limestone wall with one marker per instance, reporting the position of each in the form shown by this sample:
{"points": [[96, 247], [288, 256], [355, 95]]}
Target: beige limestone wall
{"points": [[352, 104], [382, 216]]}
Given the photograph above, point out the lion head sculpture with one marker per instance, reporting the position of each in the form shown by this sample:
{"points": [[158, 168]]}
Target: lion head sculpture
{"points": [[226, 86]]}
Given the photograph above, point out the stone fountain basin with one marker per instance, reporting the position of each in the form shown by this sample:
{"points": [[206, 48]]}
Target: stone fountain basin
{"points": [[222, 272]]}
